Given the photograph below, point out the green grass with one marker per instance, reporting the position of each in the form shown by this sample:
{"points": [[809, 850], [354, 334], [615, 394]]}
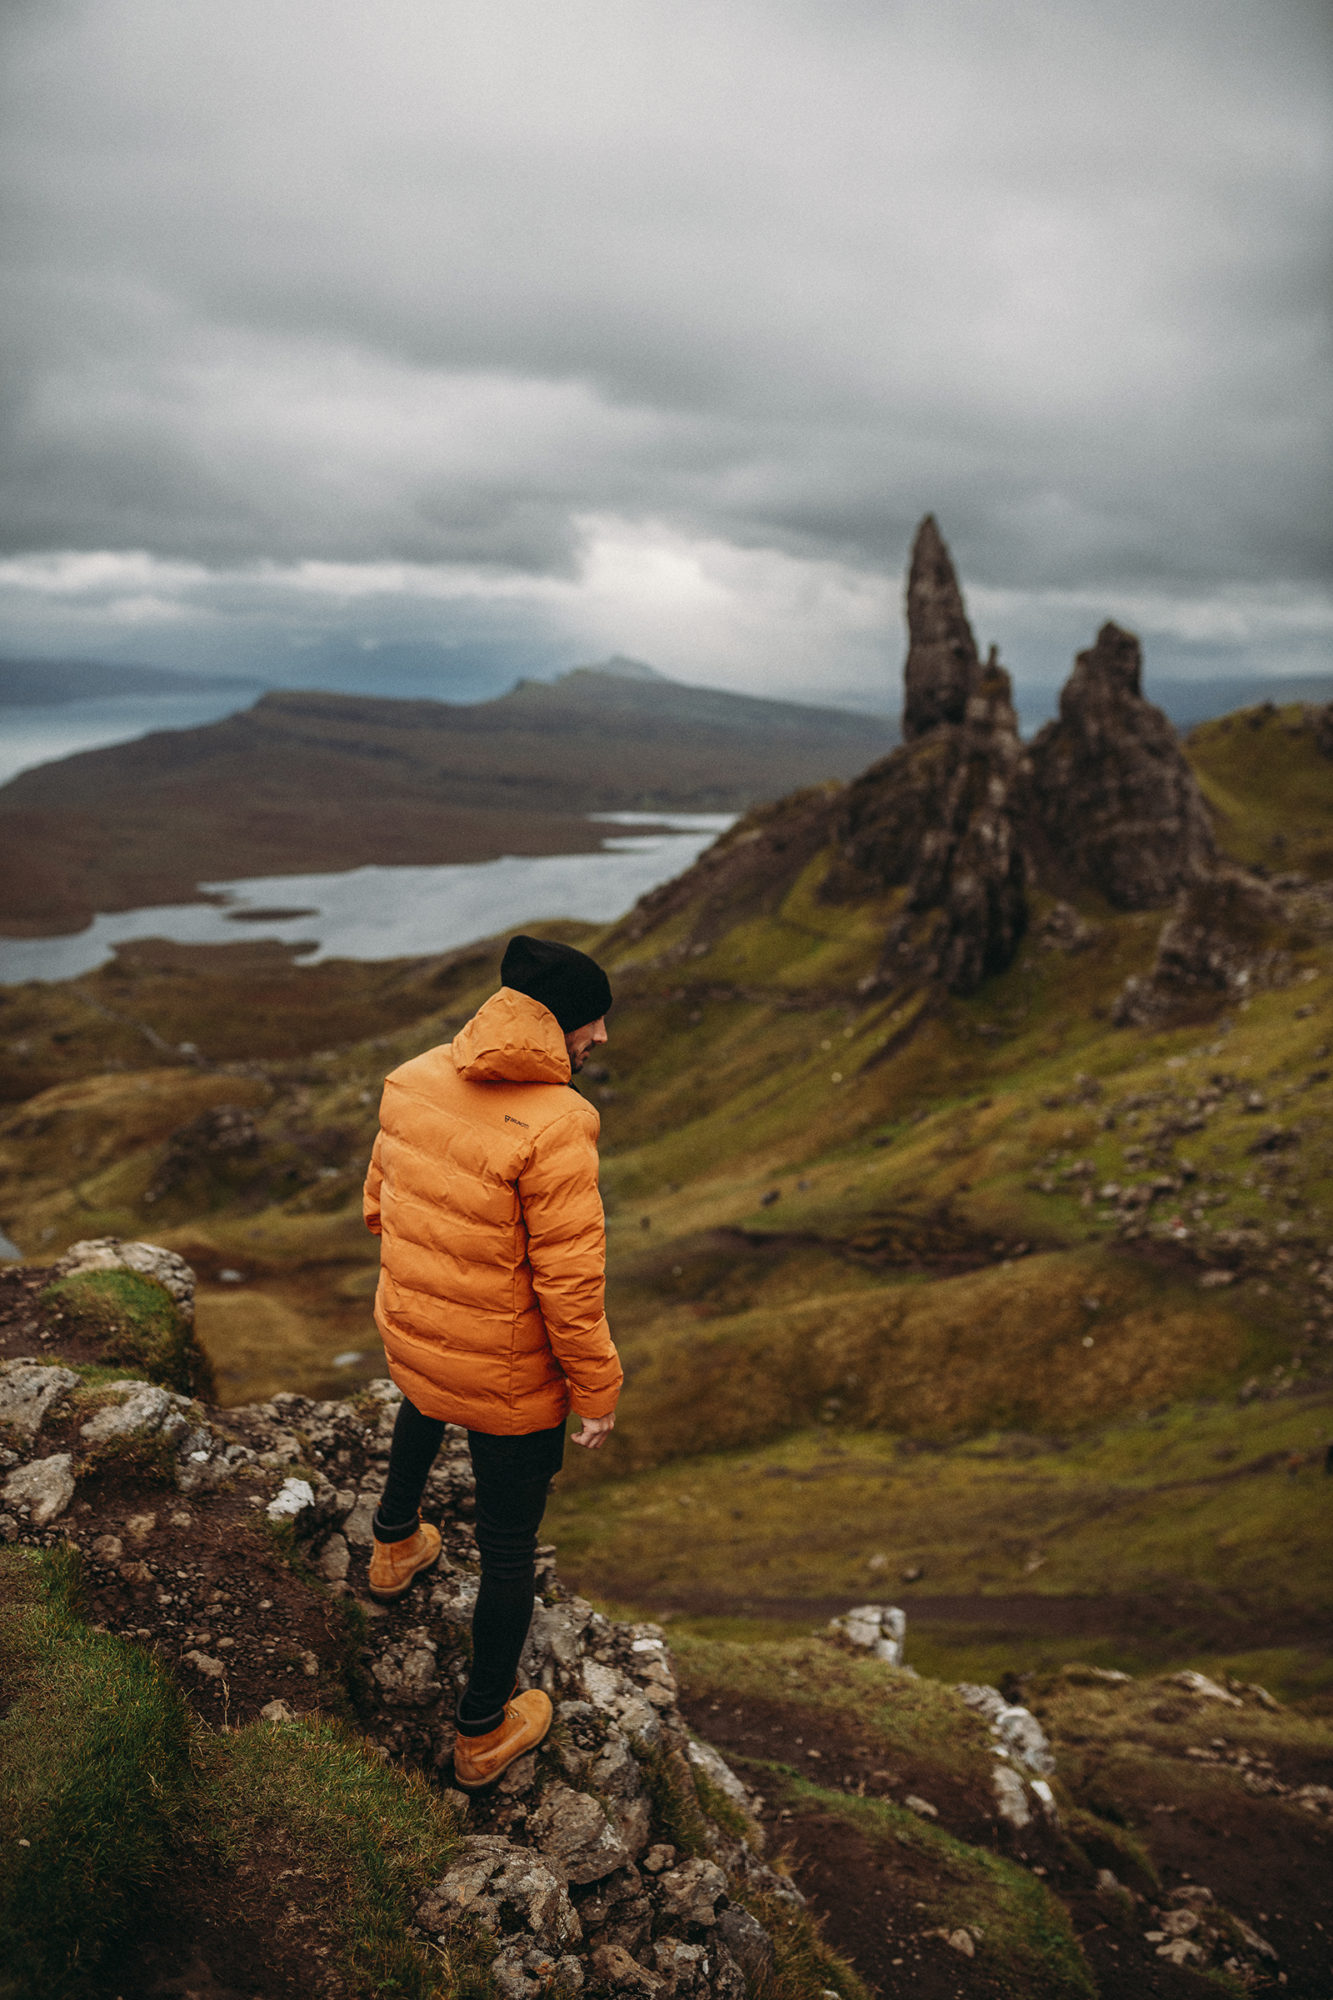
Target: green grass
{"points": [[804, 1966], [95, 1776], [368, 1838], [141, 1327], [900, 1713], [1270, 789], [113, 1798], [1193, 1503]]}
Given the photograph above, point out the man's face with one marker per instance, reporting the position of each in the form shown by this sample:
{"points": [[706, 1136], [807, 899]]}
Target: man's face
{"points": [[582, 1041]]}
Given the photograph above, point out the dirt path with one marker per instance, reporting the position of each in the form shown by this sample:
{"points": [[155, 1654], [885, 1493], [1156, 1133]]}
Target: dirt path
{"points": [[1189, 1624]]}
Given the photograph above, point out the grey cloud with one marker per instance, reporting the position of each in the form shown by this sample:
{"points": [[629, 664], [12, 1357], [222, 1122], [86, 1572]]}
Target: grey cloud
{"points": [[436, 283]]}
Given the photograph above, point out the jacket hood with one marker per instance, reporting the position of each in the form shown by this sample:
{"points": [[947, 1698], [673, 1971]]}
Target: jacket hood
{"points": [[512, 1039]]}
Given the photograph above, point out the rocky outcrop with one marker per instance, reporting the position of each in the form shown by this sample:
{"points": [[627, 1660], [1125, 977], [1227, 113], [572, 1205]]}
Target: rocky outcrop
{"points": [[878, 1629], [150, 1260], [596, 1863], [942, 661], [224, 1129], [954, 829], [1115, 806], [942, 817], [1220, 943]]}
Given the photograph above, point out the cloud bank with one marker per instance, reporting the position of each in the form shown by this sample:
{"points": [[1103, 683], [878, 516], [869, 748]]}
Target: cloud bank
{"points": [[656, 327]]}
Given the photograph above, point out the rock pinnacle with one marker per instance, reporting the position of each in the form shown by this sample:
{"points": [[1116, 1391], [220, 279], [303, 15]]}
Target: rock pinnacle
{"points": [[942, 653]]}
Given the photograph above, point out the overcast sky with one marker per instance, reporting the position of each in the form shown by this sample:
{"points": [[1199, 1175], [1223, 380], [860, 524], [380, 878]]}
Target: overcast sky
{"points": [[544, 328]]}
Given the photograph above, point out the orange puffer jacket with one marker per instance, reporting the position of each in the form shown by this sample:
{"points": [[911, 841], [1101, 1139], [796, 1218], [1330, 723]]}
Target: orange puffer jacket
{"points": [[483, 1187]]}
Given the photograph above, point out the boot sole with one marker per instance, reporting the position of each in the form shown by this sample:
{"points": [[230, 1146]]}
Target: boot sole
{"points": [[401, 1589], [480, 1784]]}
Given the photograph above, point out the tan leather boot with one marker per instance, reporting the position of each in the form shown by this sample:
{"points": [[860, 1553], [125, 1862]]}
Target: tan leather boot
{"points": [[394, 1564], [480, 1760]]}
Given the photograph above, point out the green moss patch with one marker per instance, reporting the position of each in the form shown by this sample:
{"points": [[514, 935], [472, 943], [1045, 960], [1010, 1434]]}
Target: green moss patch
{"points": [[138, 1325]]}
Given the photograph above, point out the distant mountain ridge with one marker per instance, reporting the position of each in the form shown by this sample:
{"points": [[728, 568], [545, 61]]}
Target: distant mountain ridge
{"points": [[306, 781]]}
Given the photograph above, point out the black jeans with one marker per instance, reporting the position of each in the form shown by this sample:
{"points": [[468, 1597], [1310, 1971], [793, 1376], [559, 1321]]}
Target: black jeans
{"points": [[513, 1477]]}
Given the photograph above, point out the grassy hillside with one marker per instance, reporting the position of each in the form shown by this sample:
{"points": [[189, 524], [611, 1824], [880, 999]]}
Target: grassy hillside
{"points": [[1035, 1303], [307, 781]]}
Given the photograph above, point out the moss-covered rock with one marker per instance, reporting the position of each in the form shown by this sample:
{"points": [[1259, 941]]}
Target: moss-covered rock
{"points": [[136, 1325]]}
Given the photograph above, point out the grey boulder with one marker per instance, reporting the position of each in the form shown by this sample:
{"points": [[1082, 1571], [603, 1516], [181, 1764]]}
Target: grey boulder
{"points": [[45, 1488], [27, 1391]]}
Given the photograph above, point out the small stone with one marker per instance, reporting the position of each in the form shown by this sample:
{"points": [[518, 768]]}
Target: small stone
{"points": [[358, 1524], [691, 1892], [961, 1940], [747, 1941], [878, 1628], [1011, 1799], [27, 1391], [1253, 1939], [45, 1488], [276, 1711], [1024, 1738], [520, 1777], [406, 1669], [143, 1407], [622, 1974], [574, 1832], [502, 1886], [205, 1664], [291, 1499], [922, 1807], [1205, 1689], [140, 1526], [108, 1548], [658, 1858], [335, 1559], [1180, 1951]]}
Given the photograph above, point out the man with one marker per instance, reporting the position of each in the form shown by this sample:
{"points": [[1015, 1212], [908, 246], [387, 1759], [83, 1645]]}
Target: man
{"points": [[483, 1189]]}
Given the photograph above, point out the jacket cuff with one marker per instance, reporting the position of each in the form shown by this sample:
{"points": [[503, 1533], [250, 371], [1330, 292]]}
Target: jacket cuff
{"points": [[599, 1405]]}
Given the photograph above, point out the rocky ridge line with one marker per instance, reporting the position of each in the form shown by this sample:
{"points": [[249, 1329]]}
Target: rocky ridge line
{"points": [[567, 1862], [961, 825]]}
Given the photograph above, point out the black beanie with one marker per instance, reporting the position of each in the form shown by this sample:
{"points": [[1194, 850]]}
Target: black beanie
{"points": [[570, 983]]}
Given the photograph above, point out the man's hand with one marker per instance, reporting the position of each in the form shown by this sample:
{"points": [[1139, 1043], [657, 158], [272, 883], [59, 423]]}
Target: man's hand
{"points": [[595, 1432]]}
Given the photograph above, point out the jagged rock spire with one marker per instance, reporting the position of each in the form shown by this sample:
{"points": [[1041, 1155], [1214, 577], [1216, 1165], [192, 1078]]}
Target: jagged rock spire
{"points": [[1117, 806], [941, 653]]}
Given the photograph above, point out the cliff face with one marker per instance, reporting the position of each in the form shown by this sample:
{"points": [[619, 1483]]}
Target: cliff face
{"points": [[941, 818], [1115, 804]]}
